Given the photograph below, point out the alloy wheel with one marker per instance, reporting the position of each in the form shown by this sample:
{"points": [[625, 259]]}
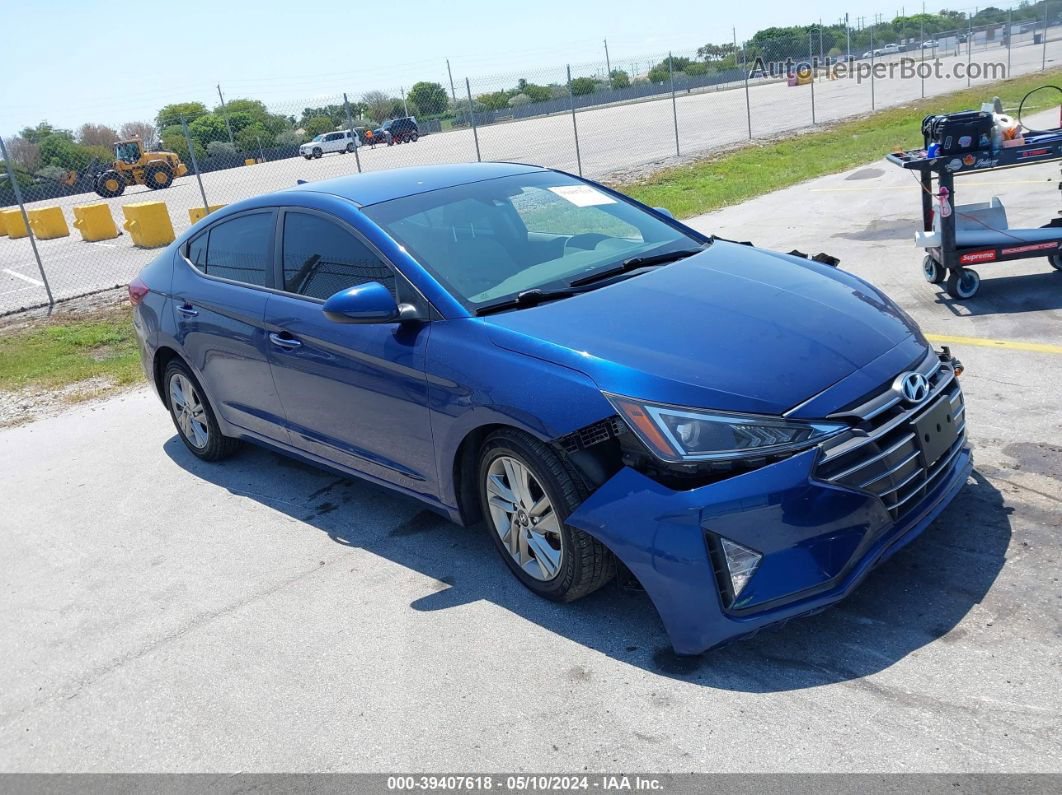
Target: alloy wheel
{"points": [[189, 411], [524, 518]]}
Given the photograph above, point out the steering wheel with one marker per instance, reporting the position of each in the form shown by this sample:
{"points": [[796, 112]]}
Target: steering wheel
{"points": [[585, 241]]}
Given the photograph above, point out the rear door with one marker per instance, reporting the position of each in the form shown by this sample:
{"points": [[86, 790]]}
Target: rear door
{"points": [[220, 291], [354, 395]]}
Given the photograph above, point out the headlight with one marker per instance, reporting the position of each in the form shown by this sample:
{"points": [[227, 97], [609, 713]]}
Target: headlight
{"points": [[677, 434]]}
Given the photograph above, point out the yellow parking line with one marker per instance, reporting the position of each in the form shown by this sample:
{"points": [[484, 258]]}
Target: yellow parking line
{"points": [[1038, 347]]}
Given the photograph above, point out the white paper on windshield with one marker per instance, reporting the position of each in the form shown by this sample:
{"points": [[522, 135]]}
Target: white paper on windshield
{"points": [[582, 195]]}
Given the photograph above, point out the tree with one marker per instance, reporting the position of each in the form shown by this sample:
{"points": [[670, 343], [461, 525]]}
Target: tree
{"points": [[37, 134], [318, 125], [97, 135], [221, 149], [24, 153], [173, 140], [254, 137], [696, 69], [256, 109], [143, 130], [378, 105], [430, 98], [519, 100], [208, 128], [59, 150], [495, 100], [620, 79], [534, 92], [171, 114], [583, 85]]}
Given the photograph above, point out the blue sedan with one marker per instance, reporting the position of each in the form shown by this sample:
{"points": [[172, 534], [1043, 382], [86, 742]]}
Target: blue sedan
{"points": [[747, 433]]}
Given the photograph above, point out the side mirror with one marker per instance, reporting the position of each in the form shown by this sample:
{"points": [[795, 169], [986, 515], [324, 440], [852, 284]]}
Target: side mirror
{"points": [[367, 303], [664, 211]]}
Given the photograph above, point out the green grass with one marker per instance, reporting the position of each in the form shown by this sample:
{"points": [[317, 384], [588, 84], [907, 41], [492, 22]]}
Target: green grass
{"points": [[67, 349], [757, 169]]}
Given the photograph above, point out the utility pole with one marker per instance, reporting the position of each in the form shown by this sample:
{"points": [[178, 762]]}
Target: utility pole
{"points": [[608, 65], [225, 115], [405, 105], [848, 33], [453, 91]]}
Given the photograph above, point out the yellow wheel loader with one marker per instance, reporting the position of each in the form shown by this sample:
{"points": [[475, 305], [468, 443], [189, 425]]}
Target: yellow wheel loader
{"points": [[133, 166]]}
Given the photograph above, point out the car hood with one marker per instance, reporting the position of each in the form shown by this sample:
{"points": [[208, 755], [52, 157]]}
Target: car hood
{"points": [[732, 328]]}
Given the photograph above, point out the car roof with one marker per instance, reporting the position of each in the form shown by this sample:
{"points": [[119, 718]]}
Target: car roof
{"points": [[380, 186]]}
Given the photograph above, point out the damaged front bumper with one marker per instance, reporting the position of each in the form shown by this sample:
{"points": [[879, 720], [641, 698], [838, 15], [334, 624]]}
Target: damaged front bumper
{"points": [[818, 541]]}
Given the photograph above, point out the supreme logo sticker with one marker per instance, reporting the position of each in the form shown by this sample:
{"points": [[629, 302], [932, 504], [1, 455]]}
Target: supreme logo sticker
{"points": [[977, 256]]}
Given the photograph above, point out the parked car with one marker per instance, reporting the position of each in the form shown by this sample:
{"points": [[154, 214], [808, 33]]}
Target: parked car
{"points": [[748, 433], [930, 44], [397, 131], [340, 141]]}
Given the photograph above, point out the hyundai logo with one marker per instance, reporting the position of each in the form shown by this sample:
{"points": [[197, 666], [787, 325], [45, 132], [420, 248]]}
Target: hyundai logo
{"points": [[913, 387]]}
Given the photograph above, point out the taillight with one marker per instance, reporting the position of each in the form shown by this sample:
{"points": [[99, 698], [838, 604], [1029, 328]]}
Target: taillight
{"points": [[137, 291]]}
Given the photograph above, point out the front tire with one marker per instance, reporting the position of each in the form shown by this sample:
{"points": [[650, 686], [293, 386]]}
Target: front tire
{"points": [[413, 136], [317, 152], [1056, 261], [526, 494], [110, 184], [193, 416], [963, 283]]}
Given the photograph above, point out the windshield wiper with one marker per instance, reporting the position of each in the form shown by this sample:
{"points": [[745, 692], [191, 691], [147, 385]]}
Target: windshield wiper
{"points": [[636, 262], [525, 298]]}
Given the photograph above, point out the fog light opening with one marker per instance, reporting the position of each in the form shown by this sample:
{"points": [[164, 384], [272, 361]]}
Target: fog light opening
{"points": [[741, 563]]}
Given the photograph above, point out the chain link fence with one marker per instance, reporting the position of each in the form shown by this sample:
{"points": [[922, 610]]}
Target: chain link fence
{"points": [[595, 119]]}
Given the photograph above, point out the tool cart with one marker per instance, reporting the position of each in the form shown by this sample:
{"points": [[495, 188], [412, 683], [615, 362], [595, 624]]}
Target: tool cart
{"points": [[956, 237]]}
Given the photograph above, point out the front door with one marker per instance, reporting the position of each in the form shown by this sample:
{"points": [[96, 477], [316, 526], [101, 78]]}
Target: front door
{"points": [[354, 395]]}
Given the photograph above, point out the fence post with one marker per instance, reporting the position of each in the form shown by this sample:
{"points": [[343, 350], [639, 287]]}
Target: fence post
{"points": [[350, 125], [1010, 32], [969, 48], [195, 164], [872, 107], [748, 105], [1043, 61], [25, 219], [922, 48], [472, 119], [575, 127], [811, 63], [674, 104]]}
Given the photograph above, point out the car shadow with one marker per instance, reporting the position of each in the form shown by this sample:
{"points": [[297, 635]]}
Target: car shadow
{"points": [[917, 597]]}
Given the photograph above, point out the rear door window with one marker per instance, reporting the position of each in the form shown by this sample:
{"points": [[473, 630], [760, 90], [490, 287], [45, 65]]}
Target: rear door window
{"points": [[239, 249]]}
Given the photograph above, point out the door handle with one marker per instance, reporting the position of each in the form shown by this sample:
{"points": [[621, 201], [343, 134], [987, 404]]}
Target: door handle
{"points": [[188, 310], [288, 343]]}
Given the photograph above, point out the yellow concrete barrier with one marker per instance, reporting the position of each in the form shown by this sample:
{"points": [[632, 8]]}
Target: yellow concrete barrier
{"points": [[249, 161], [48, 223], [14, 224], [148, 223], [3, 225], [94, 221], [199, 213]]}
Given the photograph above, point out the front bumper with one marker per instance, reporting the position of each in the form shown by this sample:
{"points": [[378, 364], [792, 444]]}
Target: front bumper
{"points": [[819, 542]]}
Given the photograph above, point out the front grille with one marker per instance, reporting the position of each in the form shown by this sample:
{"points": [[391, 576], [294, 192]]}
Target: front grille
{"points": [[882, 456]]}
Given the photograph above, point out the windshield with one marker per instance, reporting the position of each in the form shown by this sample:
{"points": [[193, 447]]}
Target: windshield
{"points": [[491, 240]]}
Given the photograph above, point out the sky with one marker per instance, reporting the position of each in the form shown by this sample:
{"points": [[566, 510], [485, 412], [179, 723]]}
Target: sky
{"points": [[76, 61]]}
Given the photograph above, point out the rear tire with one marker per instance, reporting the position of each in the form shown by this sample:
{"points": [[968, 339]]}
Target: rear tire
{"points": [[963, 283], [350, 147], [933, 271], [570, 563], [193, 416]]}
